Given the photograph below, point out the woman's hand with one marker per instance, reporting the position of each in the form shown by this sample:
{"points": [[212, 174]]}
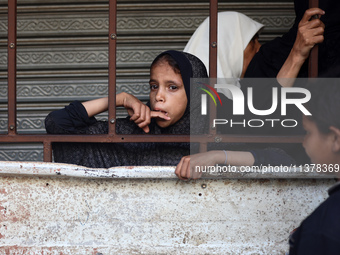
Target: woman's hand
{"points": [[310, 33], [138, 111]]}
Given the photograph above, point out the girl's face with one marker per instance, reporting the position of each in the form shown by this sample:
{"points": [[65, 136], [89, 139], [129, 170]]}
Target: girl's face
{"points": [[167, 93]]}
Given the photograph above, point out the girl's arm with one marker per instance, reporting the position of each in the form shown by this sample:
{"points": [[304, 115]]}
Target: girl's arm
{"points": [[186, 168], [96, 106], [310, 32], [139, 112], [77, 116]]}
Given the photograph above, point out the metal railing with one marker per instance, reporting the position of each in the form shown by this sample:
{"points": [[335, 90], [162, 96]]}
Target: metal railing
{"points": [[13, 137]]}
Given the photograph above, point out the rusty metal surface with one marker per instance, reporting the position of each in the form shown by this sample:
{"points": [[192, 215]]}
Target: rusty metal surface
{"points": [[213, 39], [47, 151], [150, 138], [12, 71], [213, 29], [112, 65], [45, 215]]}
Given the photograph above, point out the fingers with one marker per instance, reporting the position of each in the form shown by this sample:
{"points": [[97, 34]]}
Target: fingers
{"points": [[315, 23], [183, 168], [310, 32], [185, 171], [317, 39], [310, 13], [196, 174], [179, 168], [161, 115], [137, 112], [146, 129], [144, 118], [141, 116], [311, 36], [308, 22]]}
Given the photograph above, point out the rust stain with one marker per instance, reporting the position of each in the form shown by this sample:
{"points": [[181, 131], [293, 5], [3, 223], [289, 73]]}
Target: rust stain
{"points": [[3, 211], [263, 181], [3, 191], [21, 214], [96, 252], [15, 250]]}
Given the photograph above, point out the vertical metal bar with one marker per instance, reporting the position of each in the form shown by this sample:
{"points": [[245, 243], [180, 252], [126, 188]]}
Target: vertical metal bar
{"points": [[213, 39], [213, 22], [12, 68], [313, 57], [112, 65], [47, 152], [203, 147]]}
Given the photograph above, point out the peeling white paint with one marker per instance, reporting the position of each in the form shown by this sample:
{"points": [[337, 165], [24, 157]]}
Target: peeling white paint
{"points": [[154, 172], [124, 211]]}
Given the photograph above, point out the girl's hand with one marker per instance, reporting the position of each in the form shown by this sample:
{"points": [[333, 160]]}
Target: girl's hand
{"points": [[190, 167], [139, 112], [186, 168]]}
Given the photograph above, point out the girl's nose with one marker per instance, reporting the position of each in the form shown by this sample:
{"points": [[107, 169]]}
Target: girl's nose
{"points": [[160, 95]]}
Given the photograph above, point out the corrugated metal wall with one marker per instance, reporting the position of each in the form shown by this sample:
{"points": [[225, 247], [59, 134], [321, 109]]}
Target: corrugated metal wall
{"points": [[62, 51]]}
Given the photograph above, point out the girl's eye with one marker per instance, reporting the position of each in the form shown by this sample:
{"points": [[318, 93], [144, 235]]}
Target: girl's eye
{"points": [[173, 87], [153, 87]]}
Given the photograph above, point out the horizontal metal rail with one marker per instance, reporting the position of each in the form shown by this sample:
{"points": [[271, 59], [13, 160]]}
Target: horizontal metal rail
{"points": [[150, 138]]}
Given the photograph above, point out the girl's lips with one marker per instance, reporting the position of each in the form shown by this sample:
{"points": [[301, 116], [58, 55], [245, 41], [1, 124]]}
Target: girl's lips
{"points": [[158, 110]]}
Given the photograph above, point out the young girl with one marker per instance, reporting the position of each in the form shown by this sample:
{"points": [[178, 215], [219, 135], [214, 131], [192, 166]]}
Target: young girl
{"points": [[167, 112]]}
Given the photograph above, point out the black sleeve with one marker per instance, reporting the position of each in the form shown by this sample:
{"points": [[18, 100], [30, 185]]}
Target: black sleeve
{"points": [[315, 244], [272, 156], [72, 119]]}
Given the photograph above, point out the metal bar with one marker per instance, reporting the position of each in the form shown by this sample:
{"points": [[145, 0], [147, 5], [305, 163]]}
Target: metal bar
{"points": [[104, 138], [203, 146], [313, 57], [112, 65], [213, 28], [213, 39], [152, 138], [12, 50], [47, 151]]}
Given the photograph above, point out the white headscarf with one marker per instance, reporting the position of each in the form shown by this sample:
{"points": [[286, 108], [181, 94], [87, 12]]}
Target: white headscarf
{"points": [[235, 30]]}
